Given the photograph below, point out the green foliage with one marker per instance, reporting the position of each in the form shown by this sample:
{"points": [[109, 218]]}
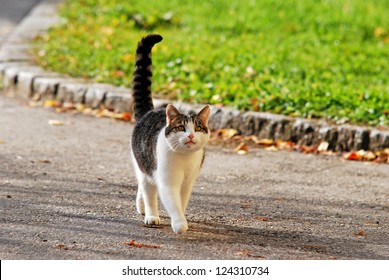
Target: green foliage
{"points": [[320, 59]]}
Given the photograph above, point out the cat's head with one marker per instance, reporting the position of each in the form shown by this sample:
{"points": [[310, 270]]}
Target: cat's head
{"points": [[187, 133]]}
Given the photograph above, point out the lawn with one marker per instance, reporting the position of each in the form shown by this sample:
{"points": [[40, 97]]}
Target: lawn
{"points": [[317, 59]]}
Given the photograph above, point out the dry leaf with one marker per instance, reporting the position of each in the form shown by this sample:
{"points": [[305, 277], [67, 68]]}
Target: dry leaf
{"points": [[226, 133], [263, 219], [246, 205], [56, 122], [323, 146], [361, 233], [80, 107], [51, 103], [118, 74], [271, 149], [285, 145], [2, 142], [132, 243], [61, 247], [308, 149], [355, 155], [370, 156], [241, 149], [248, 254], [265, 142]]}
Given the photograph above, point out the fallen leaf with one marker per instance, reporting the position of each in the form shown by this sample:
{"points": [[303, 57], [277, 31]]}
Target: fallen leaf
{"points": [[271, 149], [246, 205], [61, 247], [361, 233], [80, 107], [263, 219], [308, 149], [56, 122], [226, 133], [285, 145], [51, 103], [126, 116], [241, 149], [33, 103], [249, 254], [118, 74], [132, 243], [323, 146], [358, 155], [2, 142], [370, 156], [265, 142], [379, 32]]}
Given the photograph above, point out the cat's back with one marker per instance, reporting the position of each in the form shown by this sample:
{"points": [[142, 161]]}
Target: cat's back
{"points": [[145, 137], [153, 121]]}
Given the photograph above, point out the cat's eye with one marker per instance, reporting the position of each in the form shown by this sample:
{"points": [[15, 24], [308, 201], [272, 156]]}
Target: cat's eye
{"points": [[180, 128], [199, 128]]}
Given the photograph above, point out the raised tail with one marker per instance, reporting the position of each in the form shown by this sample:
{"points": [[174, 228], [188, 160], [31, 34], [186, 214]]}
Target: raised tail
{"points": [[141, 82]]}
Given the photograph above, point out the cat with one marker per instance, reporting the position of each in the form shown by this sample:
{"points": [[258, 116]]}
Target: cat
{"points": [[167, 147]]}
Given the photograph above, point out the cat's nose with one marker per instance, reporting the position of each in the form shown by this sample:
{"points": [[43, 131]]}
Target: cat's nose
{"points": [[190, 136]]}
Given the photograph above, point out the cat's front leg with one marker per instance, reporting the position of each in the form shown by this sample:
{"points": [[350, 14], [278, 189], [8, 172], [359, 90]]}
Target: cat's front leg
{"points": [[171, 199]]}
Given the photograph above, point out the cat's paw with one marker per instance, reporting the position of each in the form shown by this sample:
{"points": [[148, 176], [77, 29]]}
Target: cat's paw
{"points": [[180, 227], [152, 220]]}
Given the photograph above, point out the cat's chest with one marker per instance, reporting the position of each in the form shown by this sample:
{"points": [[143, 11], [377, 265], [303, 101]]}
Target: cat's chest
{"points": [[180, 162]]}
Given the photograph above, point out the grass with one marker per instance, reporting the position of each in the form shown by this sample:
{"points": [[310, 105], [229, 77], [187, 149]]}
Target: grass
{"points": [[317, 59]]}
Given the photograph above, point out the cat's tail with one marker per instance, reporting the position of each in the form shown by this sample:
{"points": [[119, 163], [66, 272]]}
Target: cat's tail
{"points": [[141, 83]]}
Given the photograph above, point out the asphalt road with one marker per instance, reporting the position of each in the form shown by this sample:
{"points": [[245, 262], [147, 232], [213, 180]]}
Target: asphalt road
{"points": [[11, 12], [68, 192]]}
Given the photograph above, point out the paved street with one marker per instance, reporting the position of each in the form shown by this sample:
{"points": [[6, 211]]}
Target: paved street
{"points": [[68, 192], [11, 12]]}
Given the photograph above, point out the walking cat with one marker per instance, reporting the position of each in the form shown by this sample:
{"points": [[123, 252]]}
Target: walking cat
{"points": [[167, 147]]}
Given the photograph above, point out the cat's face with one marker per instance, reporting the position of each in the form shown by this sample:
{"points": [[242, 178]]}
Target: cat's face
{"points": [[187, 133]]}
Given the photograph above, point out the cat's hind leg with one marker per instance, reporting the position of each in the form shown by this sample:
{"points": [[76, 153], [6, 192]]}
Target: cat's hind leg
{"points": [[146, 197], [147, 200], [140, 204]]}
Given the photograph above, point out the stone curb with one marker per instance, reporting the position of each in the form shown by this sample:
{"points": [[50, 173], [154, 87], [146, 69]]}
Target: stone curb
{"points": [[21, 78]]}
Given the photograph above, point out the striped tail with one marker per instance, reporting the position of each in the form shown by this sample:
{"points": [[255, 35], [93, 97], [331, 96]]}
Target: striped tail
{"points": [[141, 83]]}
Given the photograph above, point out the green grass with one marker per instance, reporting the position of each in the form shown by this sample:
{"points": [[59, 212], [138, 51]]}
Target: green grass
{"points": [[317, 59]]}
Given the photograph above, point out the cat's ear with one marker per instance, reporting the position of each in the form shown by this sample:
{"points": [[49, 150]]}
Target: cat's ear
{"points": [[171, 113], [204, 114]]}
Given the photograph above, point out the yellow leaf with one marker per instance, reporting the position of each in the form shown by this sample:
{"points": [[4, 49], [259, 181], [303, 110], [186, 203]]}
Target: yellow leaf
{"points": [[241, 149], [51, 103], [265, 142], [227, 133], [323, 146], [56, 122], [127, 57], [370, 156], [271, 149], [379, 32]]}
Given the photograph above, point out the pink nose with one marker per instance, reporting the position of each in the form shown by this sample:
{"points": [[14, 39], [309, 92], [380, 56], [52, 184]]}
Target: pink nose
{"points": [[190, 136]]}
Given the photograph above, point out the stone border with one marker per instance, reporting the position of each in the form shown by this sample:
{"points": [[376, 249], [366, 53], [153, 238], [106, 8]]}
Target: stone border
{"points": [[21, 78]]}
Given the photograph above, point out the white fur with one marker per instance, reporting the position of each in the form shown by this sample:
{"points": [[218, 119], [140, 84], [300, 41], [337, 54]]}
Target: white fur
{"points": [[178, 166]]}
